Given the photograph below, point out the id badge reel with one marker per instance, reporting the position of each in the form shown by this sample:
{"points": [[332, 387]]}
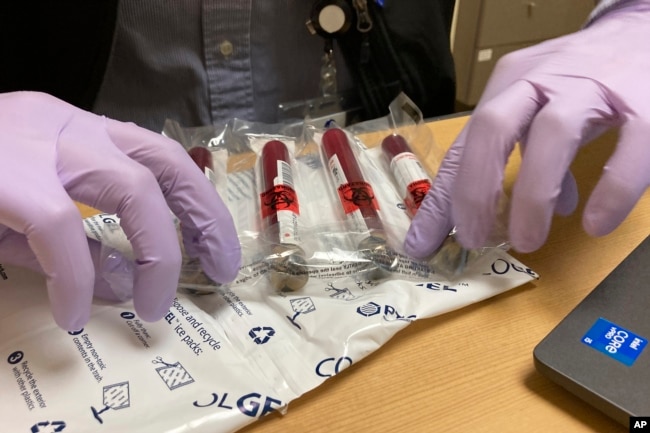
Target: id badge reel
{"points": [[329, 19]]}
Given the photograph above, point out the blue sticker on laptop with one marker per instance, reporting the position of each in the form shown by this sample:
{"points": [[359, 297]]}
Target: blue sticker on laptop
{"points": [[615, 341]]}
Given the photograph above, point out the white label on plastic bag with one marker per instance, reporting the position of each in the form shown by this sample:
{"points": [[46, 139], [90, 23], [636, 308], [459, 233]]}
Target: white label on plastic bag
{"points": [[215, 363], [406, 168], [355, 217], [288, 220]]}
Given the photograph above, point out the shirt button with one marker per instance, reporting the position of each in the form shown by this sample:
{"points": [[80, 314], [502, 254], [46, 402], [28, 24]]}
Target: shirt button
{"points": [[226, 48]]}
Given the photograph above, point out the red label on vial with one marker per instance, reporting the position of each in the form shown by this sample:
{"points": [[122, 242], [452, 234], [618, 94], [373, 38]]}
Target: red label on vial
{"points": [[278, 198], [416, 192], [357, 195]]}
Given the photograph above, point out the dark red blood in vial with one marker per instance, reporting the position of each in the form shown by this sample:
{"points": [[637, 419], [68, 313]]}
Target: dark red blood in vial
{"points": [[393, 145], [356, 192], [272, 152], [201, 156], [276, 194]]}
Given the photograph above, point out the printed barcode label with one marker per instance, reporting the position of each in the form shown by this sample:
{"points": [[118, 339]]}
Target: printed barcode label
{"points": [[284, 173]]}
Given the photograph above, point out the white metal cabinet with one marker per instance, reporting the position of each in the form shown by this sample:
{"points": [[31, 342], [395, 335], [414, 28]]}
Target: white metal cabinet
{"points": [[485, 30]]}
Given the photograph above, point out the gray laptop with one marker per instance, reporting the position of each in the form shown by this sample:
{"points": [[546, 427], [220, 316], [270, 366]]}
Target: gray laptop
{"points": [[599, 351]]}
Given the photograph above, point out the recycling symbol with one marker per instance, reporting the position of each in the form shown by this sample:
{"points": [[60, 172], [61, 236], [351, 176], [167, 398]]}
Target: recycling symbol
{"points": [[261, 334], [48, 427]]}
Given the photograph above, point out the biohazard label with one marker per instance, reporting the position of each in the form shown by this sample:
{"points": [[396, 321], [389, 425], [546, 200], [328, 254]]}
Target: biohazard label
{"points": [[416, 192], [279, 198], [356, 195]]}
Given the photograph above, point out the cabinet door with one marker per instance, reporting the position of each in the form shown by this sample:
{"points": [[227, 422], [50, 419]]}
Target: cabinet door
{"points": [[485, 60], [505, 22], [488, 29]]}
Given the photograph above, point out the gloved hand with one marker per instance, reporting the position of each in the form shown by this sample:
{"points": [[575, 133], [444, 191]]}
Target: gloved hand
{"points": [[53, 153], [553, 98]]}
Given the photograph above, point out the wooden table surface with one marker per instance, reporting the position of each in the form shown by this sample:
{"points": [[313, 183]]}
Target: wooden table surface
{"points": [[472, 370]]}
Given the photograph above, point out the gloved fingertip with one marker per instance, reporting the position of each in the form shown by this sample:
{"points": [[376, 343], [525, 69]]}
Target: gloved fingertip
{"points": [[155, 309], [72, 323], [420, 244], [565, 208], [597, 223], [412, 248], [471, 236], [609, 204], [527, 241], [472, 227], [224, 267]]}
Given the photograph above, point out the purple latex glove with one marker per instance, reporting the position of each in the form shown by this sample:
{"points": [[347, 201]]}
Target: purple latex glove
{"points": [[53, 153], [553, 98]]}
